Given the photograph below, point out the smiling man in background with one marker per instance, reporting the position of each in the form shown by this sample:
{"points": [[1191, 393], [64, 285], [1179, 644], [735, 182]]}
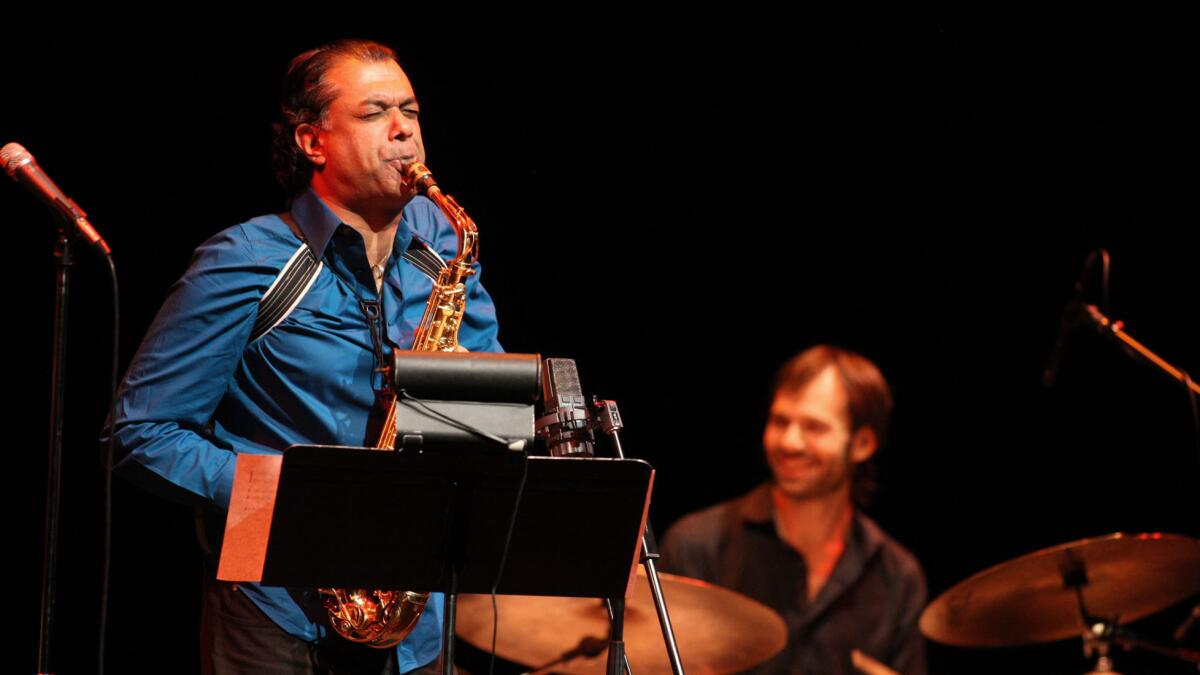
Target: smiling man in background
{"points": [[849, 594]]}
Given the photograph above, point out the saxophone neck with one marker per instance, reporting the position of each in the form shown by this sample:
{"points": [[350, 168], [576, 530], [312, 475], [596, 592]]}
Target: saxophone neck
{"points": [[421, 181]]}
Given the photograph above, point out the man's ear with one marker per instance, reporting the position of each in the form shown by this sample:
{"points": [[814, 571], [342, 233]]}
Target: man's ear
{"points": [[308, 139], [863, 445]]}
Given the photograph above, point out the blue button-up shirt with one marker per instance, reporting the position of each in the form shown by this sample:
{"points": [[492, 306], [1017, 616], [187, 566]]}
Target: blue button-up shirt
{"points": [[197, 393]]}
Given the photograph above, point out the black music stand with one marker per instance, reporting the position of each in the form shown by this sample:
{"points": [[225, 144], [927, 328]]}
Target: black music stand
{"points": [[326, 516]]}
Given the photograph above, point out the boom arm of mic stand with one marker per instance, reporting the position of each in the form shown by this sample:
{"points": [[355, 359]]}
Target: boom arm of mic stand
{"points": [[608, 420], [1116, 330]]}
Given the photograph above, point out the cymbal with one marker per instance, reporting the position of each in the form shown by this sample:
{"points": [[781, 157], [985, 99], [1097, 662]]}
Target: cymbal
{"points": [[717, 630], [1027, 600]]}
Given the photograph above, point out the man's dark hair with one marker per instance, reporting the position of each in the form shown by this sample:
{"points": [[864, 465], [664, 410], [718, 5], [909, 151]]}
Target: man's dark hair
{"points": [[869, 399], [305, 100]]}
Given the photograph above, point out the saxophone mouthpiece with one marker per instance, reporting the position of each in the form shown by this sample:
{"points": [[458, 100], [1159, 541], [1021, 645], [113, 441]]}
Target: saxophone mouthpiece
{"points": [[419, 177]]}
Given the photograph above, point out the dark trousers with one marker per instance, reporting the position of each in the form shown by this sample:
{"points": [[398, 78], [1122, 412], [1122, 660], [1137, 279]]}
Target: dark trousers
{"points": [[236, 637]]}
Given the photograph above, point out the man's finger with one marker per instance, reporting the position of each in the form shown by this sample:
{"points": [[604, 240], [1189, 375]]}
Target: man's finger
{"points": [[868, 665]]}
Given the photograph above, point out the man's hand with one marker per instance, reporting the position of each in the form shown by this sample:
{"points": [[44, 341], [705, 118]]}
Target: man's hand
{"points": [[869, 666]]}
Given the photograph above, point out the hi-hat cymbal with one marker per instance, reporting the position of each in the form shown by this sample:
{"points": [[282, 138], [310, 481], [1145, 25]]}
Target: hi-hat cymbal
{"points": [[717, 630], [1030, 599]]}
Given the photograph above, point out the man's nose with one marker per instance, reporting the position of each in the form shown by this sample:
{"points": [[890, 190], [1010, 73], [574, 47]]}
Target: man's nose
{"points": [[402, 126], [793, 438]]}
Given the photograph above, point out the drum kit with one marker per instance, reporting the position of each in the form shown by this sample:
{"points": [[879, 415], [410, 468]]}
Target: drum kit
{"points": [[1086, 590]]}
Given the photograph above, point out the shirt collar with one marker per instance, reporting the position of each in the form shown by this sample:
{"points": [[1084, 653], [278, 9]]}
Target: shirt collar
{"points": [[318, 222], [758, 508]]}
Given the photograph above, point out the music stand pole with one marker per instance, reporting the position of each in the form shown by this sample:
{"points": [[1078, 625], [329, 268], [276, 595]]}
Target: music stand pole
{"points": [[448, 622], [608, 419]]}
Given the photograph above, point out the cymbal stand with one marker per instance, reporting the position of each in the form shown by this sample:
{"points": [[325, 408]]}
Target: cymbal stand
{"points": [[1097, 632], [1100, 633]]}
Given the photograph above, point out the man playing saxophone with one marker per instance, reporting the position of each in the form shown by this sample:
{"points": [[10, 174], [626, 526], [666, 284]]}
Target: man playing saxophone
{"points": [[219, 373]]}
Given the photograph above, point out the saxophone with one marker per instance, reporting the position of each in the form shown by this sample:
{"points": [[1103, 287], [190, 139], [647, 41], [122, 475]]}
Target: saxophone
{"points": [[382, 618]]}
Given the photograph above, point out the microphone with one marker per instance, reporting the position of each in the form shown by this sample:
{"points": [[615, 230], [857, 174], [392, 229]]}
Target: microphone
{"points": [[25, 170], [1070, 318], [564, 422]]}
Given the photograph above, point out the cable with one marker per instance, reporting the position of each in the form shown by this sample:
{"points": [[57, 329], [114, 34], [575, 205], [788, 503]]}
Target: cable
{"points": [[458, 424], [512, 521], [108, 464], [1189, 385]]}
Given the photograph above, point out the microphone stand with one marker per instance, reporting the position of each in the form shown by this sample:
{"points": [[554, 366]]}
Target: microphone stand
{"points": [[58, 369], [1116, 330], [608, 419]]}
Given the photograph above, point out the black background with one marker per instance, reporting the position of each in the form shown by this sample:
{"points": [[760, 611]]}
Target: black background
{"points": [[679, 204]]}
